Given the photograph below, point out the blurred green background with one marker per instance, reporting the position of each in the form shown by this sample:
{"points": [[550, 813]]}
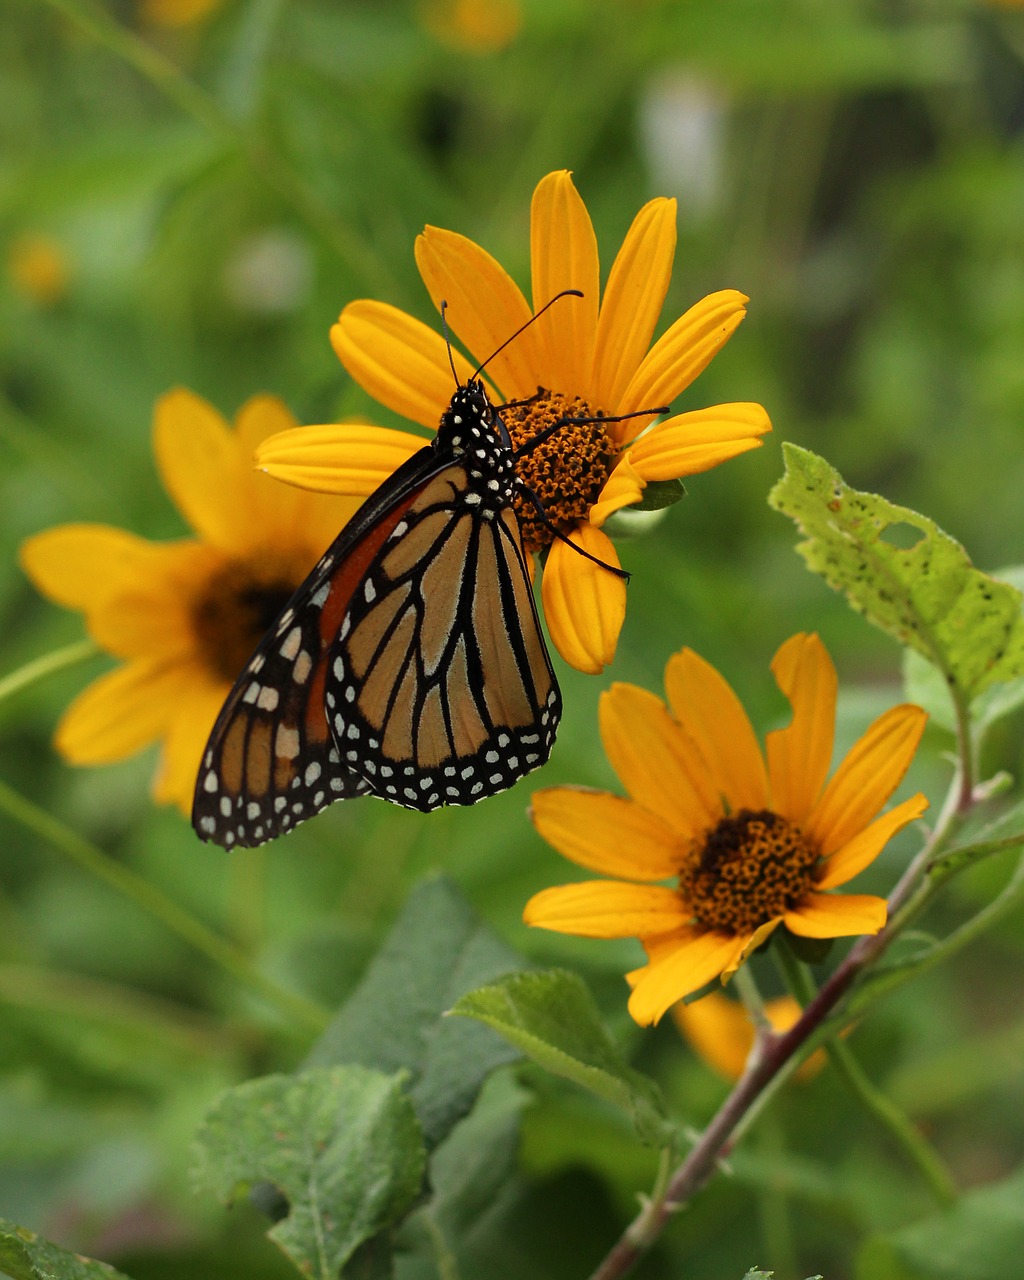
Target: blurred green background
{"points": [[190, 191]]}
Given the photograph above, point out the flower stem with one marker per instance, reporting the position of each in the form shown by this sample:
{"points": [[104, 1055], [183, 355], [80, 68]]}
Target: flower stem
{"points": [[296, 1008], [896, 1122], [358, 255], [39, 668]]}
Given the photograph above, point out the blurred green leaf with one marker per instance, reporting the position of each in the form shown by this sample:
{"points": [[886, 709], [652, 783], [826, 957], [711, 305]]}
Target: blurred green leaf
{"points": [[27, 1256], [904, 574], [341, 1144], [552, 1017], [437, 950], [981, 1237], [977, 842]]}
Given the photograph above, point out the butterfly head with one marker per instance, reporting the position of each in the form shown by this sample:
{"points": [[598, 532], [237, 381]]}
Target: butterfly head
{"points": [[470, 421]]}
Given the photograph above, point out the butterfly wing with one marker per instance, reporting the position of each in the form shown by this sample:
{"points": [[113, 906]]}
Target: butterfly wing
{"points": [[439, 689], [410, 664]]}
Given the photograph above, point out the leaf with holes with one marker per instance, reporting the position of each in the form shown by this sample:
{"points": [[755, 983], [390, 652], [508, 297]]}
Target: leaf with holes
{"points": [[342, 1145], [27, 1256], [551, 1017], [905, 575]]}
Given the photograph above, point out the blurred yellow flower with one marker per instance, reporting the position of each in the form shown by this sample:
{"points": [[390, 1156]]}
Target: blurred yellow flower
{"points": [[751, 844], [588, 357], [183, 617], [38, 267], [177, 13], [720, 1030], [475, 26]]}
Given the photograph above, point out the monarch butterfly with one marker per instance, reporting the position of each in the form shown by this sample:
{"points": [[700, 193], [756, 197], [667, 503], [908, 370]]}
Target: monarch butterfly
{"points": [[409, 665]]}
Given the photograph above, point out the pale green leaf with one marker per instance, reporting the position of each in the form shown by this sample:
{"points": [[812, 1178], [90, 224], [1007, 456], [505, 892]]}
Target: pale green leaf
{"points": [[27, 1256], [905, 575], [982, 1237], [551, 1017], [341, 1145]]}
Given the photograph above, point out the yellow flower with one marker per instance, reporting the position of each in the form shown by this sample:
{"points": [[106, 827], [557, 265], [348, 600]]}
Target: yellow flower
{"points": [[475, 26], [38, 268], [177, 13], [721, 1031], [751, 845], [182, 616], [590, 358]]}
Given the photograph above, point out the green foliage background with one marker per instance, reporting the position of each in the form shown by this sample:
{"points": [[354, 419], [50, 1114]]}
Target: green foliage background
{"points": [[858, 170]]}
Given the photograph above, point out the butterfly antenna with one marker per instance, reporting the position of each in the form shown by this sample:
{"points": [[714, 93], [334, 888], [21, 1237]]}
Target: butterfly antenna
{"points": [[566, 293], [448, 342]]}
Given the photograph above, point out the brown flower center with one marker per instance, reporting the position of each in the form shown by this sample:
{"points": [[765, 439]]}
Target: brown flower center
{"points": [[751, 868], [236, 608], [567, 471]]}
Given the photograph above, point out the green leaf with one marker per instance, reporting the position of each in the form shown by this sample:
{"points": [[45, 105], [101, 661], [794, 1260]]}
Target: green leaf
{"points": [[905, 575], [341, 1144], [659, 494], [975, 843], [982, 1237], [551, 1017], [437, 951], [27, 1256]]}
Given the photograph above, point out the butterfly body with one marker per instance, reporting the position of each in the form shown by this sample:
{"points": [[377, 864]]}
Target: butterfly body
{"points": [[409, 665]]}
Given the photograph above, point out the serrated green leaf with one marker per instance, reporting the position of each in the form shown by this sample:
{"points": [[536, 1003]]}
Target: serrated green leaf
{"points": [[551, 1017], [341, 1144], [982, 1236], [24, 1255], [438, 950], [926, 595]]}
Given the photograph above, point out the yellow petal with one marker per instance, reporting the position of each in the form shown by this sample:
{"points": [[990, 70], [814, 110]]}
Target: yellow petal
{"points": [[799, 756], [865, 847], [681, 967], [719, 1029], [711, 714], [606, 833], [563, 255], [658, 765], [185, 740], [120, 713], [203, 468], [685, 350], [78, 565], [606, 909], [152, 616], [836, 915], [871, 772], [623, 488], [398, 360], [350, 458], [633, 299], [689, 443], [584, 604], [485, 307], [281, 516]]}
